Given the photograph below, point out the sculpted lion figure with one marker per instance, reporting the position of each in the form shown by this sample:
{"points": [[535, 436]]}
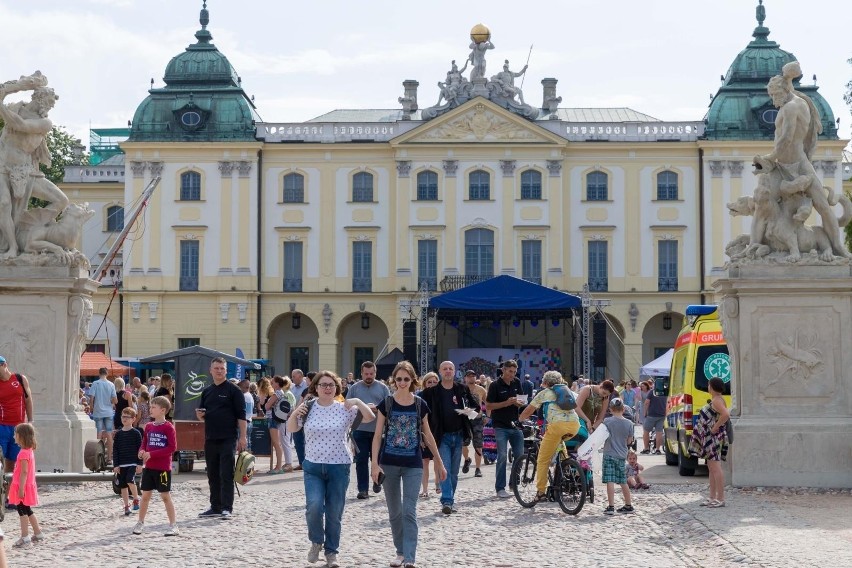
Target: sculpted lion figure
{"points": [[780, 208], [37, 231]]}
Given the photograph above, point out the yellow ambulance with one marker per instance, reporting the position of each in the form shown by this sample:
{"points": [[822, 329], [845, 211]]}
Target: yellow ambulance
{"points": [[700, 354]]}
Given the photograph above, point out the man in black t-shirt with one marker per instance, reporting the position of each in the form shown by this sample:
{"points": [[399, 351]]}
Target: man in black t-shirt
{"points": [[222, 408], [503, 404]]}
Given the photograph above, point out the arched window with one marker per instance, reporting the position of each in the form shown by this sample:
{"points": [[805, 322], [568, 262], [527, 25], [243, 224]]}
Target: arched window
{"points": [[190, 186], [427, 186], [115, 218], [667, 186], [294, 188], [479, 252], [362, 187], [479, 183], [531, 185], [596, 186]]}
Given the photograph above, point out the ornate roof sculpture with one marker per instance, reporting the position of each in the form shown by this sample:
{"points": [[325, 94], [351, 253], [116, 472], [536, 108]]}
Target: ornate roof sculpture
{"points": [[457, 89], [203, 99], [741, 109]]}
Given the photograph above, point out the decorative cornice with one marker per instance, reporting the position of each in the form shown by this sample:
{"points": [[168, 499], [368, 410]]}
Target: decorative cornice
{"points": [[450, 167], [736, 168], [138, 168], [156, 168], [403, 168], [244, 168], [226, 169], [508, 167], [554, 167], [716, 167]]}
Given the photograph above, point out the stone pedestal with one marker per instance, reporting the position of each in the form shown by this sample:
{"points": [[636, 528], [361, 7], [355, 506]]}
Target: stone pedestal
{"points": [[45, 319], [789, 333]]}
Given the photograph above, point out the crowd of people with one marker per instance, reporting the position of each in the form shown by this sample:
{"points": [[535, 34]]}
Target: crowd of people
{"points": [[394, 431]]}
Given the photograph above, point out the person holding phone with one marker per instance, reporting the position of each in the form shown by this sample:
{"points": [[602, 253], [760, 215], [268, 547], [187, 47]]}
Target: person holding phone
{"points": [[326, 422], [402, 421]]}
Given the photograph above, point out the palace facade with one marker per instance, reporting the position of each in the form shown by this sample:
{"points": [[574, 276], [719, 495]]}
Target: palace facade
{"points": [[306, 243]]}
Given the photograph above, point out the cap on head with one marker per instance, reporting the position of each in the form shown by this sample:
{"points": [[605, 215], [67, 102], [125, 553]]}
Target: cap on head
{"points": [[470, 373]]}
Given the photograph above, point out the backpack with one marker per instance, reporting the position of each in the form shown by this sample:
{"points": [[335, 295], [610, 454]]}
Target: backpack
{"points": [[244, 468], [564, 397], [281, 409]]}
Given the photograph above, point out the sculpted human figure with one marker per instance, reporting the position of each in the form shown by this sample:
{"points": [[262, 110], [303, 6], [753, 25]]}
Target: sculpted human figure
{"points": [[477, 57], [22, 149], [506, 80], [451, 88], [796, 129]]}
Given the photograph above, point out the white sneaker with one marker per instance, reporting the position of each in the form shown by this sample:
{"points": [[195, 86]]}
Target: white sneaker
{"points": [[138, 528], [173, 531], [503, 494], [22, 542], [313, 553], [331, 560]]}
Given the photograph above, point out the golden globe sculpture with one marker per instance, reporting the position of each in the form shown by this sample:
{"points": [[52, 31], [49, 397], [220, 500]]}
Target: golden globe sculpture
{"points": [[480, 33]]}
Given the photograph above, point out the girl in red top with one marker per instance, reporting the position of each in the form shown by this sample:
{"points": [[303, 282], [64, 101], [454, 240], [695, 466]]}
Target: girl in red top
{"points": [[22, 490], [158, 445]]}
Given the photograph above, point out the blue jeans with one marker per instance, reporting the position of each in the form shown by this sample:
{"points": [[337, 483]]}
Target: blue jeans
{"points": [[403, 513], [451, 452], [364, 443], [325, 495], [299, 442], [505, 436]]}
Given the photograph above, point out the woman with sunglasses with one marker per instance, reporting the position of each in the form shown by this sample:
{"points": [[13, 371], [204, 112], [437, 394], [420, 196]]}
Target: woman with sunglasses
{"points": [[328, 458], [402, 425]]}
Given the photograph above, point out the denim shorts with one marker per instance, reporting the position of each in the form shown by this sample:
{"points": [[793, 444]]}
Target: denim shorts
{"points": [[7, 442], [103, 424]]}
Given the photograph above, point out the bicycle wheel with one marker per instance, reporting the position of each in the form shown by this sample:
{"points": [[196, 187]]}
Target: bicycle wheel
{"points": [[523, 480], [570, 487]]}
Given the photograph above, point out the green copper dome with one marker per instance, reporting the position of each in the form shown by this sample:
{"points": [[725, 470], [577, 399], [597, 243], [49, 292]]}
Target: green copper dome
{"points": [[202, 101], [742, 109]]}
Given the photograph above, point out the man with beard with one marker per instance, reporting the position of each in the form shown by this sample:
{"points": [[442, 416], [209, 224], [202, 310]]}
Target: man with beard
{"points": [[372, 393]]}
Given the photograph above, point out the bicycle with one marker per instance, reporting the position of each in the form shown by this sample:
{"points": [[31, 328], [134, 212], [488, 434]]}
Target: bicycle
{"points": [[567, 481]]}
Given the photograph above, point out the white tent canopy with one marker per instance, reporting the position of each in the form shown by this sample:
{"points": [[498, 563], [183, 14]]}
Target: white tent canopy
{"points": [[659, 367]]}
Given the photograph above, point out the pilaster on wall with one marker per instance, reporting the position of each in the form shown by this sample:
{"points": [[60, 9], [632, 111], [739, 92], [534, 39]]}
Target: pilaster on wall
{"points": [[507, 235], [451, 198], [557, 238], [226, 204]]}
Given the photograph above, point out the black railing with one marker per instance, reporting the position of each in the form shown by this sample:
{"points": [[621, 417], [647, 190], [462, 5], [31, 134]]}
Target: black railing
{"points": [[362, 284], [450, 283], [598, 284], [292, 284], [189, 283], [667, 284]]}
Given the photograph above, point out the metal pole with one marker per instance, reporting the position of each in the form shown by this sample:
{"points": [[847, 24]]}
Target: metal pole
{"points": [[587, 347], [424, 328]]}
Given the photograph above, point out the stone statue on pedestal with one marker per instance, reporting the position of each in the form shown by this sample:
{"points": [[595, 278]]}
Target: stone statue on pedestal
{"points": [[504, 83], [788, 189], [477, 57], [23, 148]]}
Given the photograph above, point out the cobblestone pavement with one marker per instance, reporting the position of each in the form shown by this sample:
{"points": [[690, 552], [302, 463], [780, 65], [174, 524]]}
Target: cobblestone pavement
{"points": [[85, 526]]}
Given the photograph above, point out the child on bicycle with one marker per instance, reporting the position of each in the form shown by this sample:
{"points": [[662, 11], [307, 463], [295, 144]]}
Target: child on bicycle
{"points": [[615, 457], [560, 424]]}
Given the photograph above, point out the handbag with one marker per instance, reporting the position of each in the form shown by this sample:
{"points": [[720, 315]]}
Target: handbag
{"points": [[729, 429]]}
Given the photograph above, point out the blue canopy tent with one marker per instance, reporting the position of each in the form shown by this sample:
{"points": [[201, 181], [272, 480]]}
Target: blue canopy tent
{"points": [[505, 297]]}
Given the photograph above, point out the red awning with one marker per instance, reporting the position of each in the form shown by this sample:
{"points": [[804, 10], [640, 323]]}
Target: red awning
{"points": [[91, 361]]}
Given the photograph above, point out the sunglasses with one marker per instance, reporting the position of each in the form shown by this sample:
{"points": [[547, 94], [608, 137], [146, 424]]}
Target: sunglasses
{"points": [[402, 379], [326, 385]]}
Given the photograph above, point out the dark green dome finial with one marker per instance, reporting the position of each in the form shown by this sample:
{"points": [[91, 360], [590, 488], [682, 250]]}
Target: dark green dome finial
{"points": [[202, 35], [761, 32]]}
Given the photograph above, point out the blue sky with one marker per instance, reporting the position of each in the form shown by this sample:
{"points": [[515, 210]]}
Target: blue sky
{"points": [[302, 59]]}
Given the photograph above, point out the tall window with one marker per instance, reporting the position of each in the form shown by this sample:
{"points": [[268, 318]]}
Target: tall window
{"points": [[427, 264], [362, 266], [300, 358], [596, 186], [294, 188], [667, 262], [190, 186], [479, 252], [531, 185], [293, 267], [479, 185], [362, 187], [531, 261], [360, 354], [598, 266], [427, 186], [667, 186], [115, 218], [189, 265]]}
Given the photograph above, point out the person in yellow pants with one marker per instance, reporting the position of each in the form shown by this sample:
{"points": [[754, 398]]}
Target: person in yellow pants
{"points": [[560, 424]]}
